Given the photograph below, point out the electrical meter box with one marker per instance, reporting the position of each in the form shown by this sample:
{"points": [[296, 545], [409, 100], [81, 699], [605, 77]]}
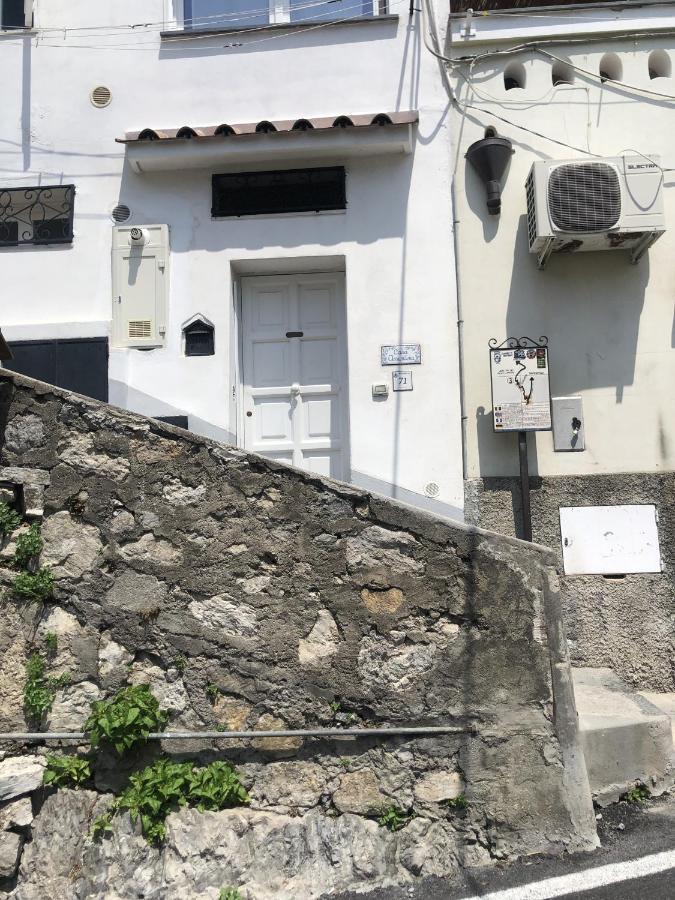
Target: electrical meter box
{"points": [[140, 281], [568, 424]]}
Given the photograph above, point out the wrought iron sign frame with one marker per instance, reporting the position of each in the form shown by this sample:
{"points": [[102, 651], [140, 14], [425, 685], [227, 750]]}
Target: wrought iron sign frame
{"points": [[521, 343], [37, 216]]}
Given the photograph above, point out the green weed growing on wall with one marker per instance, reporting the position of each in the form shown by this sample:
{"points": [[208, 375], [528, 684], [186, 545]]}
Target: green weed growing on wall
{"points": [[66, 771], [28, 547], [39, 690], [394, 818], [34, 586], [165, 786], [126, 720], [9, 520]]}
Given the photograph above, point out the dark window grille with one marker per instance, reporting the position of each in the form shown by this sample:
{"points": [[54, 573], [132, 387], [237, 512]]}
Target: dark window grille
{"points": [[37, 215], [13, 13], [199, 339], [285, 191]]}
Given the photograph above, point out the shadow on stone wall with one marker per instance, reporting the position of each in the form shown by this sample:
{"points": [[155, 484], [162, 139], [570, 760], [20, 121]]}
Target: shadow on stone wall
{"points": [[253, 596]]}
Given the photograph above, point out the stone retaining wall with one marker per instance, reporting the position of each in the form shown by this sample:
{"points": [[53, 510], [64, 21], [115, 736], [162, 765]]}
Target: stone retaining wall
{"points": [[253, 596], [626, 624]]}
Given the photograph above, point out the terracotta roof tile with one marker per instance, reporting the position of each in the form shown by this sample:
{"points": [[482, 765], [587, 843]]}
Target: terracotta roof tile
{"points": [[265, 126]]}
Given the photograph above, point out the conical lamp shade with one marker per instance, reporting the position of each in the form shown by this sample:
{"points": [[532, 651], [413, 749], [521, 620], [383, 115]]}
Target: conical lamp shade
{"points": [[490, 157]]}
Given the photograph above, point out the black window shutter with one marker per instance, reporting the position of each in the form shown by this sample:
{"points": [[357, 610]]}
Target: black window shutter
{"points": [[13, 14]]}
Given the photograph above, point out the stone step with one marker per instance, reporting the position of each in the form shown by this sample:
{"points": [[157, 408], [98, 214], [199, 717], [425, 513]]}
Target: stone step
{"points": [[664, 702], [626, 738]]}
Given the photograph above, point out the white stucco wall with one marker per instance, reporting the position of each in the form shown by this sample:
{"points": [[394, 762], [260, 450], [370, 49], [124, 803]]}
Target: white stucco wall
{"points": [[609, 324], [394, 240]]}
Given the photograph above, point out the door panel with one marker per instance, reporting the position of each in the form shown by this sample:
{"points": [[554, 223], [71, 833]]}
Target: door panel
{"points": [[318, 364], [294, 388]]}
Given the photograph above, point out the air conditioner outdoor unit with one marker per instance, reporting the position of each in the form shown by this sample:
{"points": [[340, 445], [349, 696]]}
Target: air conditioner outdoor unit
{"points": [[601, 204]]}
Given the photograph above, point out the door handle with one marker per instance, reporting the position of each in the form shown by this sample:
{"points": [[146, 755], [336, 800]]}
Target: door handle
{"points": [[291, 334]]}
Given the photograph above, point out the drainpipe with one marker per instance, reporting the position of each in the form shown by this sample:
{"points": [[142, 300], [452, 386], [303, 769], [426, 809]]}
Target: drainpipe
{"points": [[460, 328]]}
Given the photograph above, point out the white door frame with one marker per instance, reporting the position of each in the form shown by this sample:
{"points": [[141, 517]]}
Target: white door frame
{"points": [[237, 353]]}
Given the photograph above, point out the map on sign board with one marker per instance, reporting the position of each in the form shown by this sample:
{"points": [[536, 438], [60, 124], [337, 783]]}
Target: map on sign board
{"points": [[521, 397]]}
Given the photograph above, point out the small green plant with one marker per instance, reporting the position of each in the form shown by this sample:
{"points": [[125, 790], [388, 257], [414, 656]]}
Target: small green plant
{"points": [[39, 690], [66, 771], [638, 794], [38, 693], [335, 707], [229, 893], [102, 826], [180, 663], [212, 691], [459, 802], [28, 546], [345, 761], [126, 720], [9, 519], [394, 818], [37, 586], [51, 641], [166, 785]]}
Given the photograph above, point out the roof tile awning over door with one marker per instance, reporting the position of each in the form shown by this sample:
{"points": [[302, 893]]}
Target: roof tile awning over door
{"points": [[337, 137]]}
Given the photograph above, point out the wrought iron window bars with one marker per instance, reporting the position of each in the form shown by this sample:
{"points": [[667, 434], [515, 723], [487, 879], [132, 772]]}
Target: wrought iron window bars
{"points": [[37, 215]]}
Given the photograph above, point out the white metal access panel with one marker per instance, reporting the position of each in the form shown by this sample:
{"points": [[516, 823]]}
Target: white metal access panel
{"points": [[295, 371], [610, 540]]}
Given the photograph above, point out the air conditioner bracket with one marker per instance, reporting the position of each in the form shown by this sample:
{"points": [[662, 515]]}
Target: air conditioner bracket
{"points": [[542, 258], [639, 251]]}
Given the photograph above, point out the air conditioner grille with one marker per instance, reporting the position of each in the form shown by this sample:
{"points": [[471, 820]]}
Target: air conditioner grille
{"points": [[140, 329], [531, 211], [584, 197]]}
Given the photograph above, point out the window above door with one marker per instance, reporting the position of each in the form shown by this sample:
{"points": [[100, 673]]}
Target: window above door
{"points": [[222, 14]]}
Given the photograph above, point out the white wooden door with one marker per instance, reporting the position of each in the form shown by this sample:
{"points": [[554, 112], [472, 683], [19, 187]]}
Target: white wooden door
{"points": [[295, 371]]}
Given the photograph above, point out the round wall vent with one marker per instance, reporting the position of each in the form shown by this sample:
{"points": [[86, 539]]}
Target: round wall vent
{"points": [[100, 96], [432, 489], [121, 213]]}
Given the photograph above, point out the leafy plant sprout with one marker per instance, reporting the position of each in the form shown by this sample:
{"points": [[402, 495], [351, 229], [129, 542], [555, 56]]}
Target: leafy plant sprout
{"points": [[66, 771], [394, 818], [51, 641], [125, 721], [9, 520], [28, 547]]}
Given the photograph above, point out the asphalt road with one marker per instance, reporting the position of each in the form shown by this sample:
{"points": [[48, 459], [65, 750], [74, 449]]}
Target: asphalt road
{"points": [[628, 832]]}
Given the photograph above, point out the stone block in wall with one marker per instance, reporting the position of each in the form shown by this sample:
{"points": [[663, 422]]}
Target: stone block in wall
{"points": [[20, 775], [11, 845]]}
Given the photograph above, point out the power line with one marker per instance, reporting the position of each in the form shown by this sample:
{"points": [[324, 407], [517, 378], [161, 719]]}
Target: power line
{"points": [[186, 37]]}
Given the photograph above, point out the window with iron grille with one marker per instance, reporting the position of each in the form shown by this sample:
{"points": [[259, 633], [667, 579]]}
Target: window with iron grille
{"points": [[36, 215], [13, 14], [284, 191], [218, 14]]}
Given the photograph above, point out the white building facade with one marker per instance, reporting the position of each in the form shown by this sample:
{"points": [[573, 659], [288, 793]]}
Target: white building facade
{"points": [[238, 216], [580, 86]]}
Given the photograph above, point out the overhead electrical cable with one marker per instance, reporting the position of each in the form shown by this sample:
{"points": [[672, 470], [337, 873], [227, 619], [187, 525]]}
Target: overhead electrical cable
{"points": [[186, 37]]}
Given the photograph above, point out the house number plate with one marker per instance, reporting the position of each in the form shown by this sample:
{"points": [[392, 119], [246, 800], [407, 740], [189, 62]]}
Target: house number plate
{"points": [[395, 354], [402, 380]]}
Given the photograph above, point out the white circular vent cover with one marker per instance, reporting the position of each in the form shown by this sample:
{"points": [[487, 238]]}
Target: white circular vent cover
{"points": [[121, 213], [100, 96], [432, 489]]}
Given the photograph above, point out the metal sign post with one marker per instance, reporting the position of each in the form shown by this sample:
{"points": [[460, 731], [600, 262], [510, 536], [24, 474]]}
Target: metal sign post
{"points": [[521, 400]]}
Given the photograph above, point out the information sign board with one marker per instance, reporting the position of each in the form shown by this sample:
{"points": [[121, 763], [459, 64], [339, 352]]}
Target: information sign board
{"points": [[521, 395]]}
